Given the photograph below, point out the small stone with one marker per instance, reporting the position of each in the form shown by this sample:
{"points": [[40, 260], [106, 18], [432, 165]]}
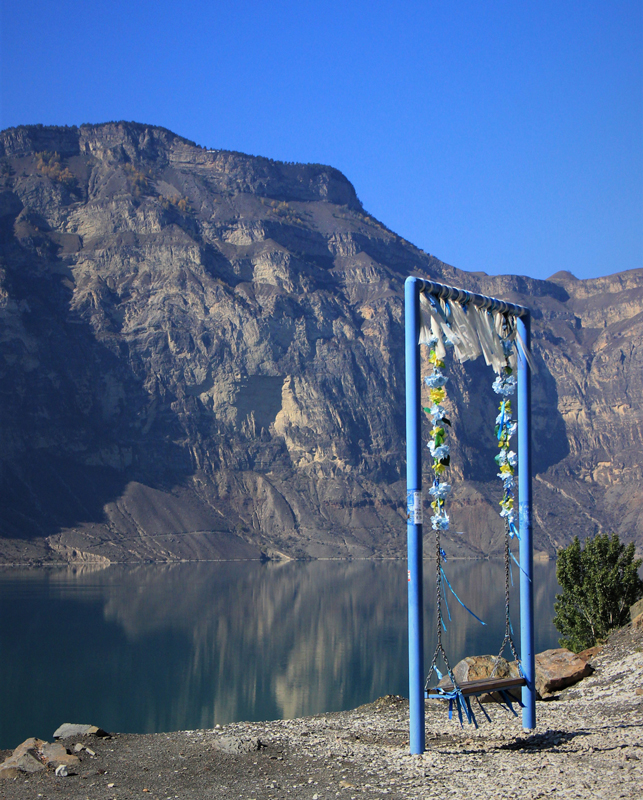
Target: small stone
{"points": [[78, 747], [90, 752], [639, 691], [62, 771], [110, 785]]}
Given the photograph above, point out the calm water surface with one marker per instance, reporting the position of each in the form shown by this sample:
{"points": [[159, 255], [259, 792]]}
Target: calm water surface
{"points": [[183, 646]]}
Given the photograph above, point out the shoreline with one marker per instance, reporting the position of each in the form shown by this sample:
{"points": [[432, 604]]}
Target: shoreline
{"points": [[149, 562], [587, 743]]}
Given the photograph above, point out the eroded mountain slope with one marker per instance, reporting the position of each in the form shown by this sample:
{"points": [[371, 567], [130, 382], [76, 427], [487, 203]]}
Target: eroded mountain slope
{"points": [[203, 358]]}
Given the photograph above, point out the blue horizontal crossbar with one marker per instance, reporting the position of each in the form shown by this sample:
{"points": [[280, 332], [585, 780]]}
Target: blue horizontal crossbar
{"points": [[462, 296]]}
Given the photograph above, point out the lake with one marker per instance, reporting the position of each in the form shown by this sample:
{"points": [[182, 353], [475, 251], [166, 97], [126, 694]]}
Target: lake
{"points": [[182, 646]]}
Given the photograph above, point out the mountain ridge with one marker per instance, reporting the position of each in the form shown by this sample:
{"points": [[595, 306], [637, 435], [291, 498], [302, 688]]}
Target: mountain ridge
{"points": [[208, 352]]}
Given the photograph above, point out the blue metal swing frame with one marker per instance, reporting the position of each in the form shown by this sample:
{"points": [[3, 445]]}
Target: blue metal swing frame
{"points": [[412, 288]]}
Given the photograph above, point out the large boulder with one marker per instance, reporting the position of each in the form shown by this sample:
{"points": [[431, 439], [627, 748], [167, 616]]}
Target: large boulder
{"points": [[69, 729], [558, 668], [477, 668]]}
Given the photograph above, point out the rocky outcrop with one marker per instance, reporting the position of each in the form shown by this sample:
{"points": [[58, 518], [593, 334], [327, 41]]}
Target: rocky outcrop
{"points": [[202, 358], [35, 755]]}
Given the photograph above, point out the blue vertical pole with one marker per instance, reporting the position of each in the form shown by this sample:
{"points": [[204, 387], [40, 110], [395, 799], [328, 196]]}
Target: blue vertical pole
{"points": [[414, 513], [527, 654]]}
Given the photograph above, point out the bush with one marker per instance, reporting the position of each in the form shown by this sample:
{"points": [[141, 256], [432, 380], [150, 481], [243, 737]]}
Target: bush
{"points": [[599, 583], [136, 180], [49, 164], [182, 203]]}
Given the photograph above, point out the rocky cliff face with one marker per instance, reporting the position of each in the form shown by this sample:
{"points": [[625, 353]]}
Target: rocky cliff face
{"points": [[202, 357]]}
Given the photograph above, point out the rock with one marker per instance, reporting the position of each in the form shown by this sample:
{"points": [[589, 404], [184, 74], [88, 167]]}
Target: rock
{"points": [[27, 757], [69, 729], [55, 754], [590, 653], [62, 771], [237, 745], [558, 668], [636, 609], [78, 747], [33, 755], [637, 622], [475, 668]]}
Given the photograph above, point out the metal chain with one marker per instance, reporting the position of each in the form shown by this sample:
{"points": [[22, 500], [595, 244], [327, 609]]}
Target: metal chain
{"points": [[508, 637], [439, 649]]}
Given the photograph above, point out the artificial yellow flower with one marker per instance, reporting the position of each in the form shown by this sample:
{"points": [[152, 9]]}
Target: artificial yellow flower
{"points": [[438, 395]]}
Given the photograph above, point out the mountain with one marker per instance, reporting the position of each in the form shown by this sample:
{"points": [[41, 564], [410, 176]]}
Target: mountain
{"points": [[202, 357]]}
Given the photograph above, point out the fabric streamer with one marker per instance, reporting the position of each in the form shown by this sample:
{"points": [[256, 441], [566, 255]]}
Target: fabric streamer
{"points": [[471, 331]]}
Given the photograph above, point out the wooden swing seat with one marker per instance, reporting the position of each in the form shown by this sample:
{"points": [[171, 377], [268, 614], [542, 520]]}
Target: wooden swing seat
{"points": [[483, 686]]}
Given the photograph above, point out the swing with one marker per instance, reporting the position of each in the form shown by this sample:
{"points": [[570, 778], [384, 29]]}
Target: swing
{"points": [[494, 337], [458, 694]]}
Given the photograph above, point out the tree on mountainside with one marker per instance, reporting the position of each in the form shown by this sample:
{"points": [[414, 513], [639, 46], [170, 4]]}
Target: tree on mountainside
{"points": [[600, 582]]}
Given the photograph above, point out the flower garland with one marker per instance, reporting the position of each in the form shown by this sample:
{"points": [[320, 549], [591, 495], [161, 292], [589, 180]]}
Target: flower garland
{"points": [[436, 383], [505, 385]]}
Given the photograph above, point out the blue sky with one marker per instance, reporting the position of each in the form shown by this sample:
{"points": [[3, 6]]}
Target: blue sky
{"points": [[499, 136]]}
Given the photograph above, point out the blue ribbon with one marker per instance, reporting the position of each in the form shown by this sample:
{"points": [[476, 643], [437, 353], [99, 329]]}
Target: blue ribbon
{"points": [[501, 424], [458, 599], [519, 567]]}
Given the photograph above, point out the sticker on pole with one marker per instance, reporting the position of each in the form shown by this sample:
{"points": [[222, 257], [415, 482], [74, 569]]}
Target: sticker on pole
{"points": [[414, 508]]}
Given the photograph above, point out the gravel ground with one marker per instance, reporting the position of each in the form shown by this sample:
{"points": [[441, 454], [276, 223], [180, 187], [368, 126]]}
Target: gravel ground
{"points": [[588, 744]]}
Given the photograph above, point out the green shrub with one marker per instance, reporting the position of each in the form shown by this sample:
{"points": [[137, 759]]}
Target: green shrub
{"points": [[600, 582]]}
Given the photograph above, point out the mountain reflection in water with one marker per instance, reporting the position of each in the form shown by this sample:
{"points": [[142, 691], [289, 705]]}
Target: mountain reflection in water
{"points": [[183, 646]]}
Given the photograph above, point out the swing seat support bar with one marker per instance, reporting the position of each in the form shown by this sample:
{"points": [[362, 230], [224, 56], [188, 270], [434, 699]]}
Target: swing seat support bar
{"points": [[483, 686], [412, 288]]}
